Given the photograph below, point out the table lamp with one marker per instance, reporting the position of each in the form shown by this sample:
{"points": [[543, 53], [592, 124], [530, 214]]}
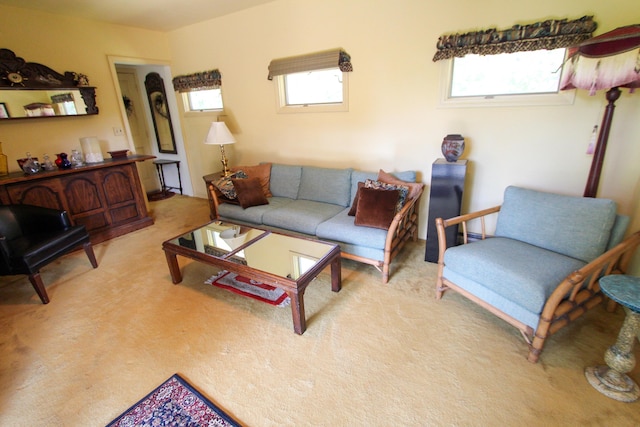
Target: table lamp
{"points": [[219, 135], [608, 61]]}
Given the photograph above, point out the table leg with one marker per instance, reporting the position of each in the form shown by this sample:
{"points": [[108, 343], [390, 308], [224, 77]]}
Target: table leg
{"points": [[174, 268], [612, 380], [336, 274], [297, 311]]}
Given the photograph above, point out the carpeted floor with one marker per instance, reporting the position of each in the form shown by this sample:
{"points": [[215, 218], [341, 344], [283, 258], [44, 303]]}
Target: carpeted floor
{"points": [[373, 354]]}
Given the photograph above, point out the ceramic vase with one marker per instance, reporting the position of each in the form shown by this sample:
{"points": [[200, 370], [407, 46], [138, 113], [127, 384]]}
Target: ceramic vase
{"points": [[453, 147], [62, 161]]}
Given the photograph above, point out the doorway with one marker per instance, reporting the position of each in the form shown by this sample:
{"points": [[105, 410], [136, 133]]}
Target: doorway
{"points": [[128, 75]]}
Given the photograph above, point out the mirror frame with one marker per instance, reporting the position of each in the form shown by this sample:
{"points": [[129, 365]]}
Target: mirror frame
{"points": [[157, 98], [17, 74]]}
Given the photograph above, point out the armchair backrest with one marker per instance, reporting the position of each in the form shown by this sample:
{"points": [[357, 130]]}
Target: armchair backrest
{"points": [[579, 227]]}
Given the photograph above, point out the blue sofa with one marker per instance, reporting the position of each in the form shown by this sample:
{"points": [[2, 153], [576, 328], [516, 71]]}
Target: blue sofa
{"points": [[315, 202], [541, 269]]}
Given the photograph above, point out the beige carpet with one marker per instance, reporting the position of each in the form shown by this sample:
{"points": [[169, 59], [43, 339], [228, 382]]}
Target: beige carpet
{"points": [[373, 354]]}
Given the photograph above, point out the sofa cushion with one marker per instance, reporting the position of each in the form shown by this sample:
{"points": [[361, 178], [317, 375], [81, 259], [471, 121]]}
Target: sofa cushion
{"points": [[285, 180], [520, 272], [262, 172], [325, 185], [354, 203], [579, 227], [341, 228], [302, 216], [376, 208], [252, 215], [250, 192]]}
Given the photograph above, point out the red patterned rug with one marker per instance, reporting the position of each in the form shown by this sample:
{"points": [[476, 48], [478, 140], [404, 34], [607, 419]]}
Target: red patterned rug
{"points": [[174, 403], [250, 288]]}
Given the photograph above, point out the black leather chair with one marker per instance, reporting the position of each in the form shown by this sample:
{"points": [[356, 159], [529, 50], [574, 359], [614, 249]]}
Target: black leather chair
{"points": [[32, 237]]}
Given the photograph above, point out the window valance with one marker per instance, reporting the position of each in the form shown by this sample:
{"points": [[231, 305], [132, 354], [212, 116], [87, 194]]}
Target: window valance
{"points": [[63, 97], [550, 34], [198, 81], [313, 61]]}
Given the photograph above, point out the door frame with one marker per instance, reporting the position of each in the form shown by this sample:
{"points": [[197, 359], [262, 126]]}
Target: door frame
{"points": [[144, 66]]}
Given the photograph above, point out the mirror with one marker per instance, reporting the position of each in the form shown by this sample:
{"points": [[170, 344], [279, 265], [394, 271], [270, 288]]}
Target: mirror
{"points": [[160, 113], [32, 90]]}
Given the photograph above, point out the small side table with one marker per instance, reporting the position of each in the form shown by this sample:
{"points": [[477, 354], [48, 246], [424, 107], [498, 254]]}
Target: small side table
{"points": [[612, 380], [160, 163]]}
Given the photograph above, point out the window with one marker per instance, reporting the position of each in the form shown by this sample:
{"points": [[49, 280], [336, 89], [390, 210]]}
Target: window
{"points": [[516, 73], [506, 79], [203, 100], [201, 92], [317, 91], [316, 82]]}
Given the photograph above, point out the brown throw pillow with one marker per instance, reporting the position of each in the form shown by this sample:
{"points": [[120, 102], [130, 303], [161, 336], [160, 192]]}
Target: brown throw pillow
{"points": [[376, 208], [262, 172], [387, 178], [354, 205], [249, 192]]}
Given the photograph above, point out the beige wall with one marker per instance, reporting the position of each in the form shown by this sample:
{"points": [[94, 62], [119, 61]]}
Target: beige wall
{"points": [[68, 44], [395, 121]]}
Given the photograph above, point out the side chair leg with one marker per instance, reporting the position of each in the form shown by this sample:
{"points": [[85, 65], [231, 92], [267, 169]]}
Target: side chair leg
{"points": [[36, 281], [88, 249]]}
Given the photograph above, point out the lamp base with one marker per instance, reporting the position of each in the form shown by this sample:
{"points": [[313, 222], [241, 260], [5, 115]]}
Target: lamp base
{"points": [[225, 169]]}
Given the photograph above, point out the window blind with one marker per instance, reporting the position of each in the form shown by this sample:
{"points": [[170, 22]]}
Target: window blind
{"points": [[310, 62]]}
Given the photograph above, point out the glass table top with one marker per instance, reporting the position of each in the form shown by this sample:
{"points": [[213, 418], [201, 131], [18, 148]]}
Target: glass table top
{"points": [[285, 256]]}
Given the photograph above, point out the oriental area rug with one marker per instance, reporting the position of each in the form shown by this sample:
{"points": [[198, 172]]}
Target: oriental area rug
{"points": [[250, 288], [174, 403]]}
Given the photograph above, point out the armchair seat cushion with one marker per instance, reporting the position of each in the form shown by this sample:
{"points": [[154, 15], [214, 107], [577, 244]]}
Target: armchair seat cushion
{"points": [[33, 251], [521, 273]]}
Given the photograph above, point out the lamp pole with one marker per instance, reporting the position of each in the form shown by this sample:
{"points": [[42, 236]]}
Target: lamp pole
{"points": [[591, 189]]}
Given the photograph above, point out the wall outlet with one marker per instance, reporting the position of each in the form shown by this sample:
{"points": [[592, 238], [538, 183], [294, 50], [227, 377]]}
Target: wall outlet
{"points": [[118, 131]]}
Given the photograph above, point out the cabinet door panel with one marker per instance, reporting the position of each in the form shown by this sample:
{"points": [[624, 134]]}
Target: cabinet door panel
{"points": [[118, 187], [48, 196], [83, 195]]}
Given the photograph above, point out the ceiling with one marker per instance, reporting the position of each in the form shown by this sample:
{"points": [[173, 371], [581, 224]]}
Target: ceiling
{"points": [[158, 15]]}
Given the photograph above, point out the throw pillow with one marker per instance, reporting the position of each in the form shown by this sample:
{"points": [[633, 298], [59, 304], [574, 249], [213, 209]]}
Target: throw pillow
{"points": [[262, 172], [404, 190], [249, 192], [414, 187], [354, 205], [376, 207], [225, 185]]}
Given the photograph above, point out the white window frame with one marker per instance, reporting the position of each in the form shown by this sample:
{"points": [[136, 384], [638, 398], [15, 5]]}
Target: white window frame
{"points": [[562, 97], [187, 104], [281, 99]]}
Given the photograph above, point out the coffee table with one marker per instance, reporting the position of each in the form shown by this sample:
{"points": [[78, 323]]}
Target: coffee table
{"points": [[285, 261]]}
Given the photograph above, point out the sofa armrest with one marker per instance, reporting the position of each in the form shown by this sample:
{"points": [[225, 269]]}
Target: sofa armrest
{"points": [[403, 227], [580, 291], [217, 198]]}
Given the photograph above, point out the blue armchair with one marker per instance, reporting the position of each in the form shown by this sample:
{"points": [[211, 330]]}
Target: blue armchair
{"points": [[541, 269]]}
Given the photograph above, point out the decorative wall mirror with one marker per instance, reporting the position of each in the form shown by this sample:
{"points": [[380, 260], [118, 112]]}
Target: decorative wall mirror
{"points": [[32, 90], [160, 113]]}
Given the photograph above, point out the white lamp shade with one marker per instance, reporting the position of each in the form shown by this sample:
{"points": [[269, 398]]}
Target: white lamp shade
{"points": [[219, 134]]}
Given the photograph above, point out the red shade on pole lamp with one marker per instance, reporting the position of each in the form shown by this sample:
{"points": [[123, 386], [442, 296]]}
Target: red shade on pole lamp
{"points": [[608, 61]]}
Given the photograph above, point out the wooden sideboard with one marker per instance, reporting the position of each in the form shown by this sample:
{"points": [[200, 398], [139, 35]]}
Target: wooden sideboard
{"points": [[106, 197]]}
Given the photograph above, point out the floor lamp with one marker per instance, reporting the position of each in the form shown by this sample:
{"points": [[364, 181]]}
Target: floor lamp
{"points": [[609, 61]]}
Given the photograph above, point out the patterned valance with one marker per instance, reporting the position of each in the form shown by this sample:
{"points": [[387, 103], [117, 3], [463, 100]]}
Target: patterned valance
{"points": [[63, 97], [198, 81], [313, 61], [550, 34]]}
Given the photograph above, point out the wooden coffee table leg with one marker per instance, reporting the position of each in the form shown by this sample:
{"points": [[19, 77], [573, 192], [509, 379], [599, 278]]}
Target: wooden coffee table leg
{"points": [[336, 274], [297, 311], [174, 268]]}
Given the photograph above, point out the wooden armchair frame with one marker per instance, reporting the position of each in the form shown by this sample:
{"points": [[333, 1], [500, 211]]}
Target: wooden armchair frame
{"points": [[573, 296], [403, 227]]}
